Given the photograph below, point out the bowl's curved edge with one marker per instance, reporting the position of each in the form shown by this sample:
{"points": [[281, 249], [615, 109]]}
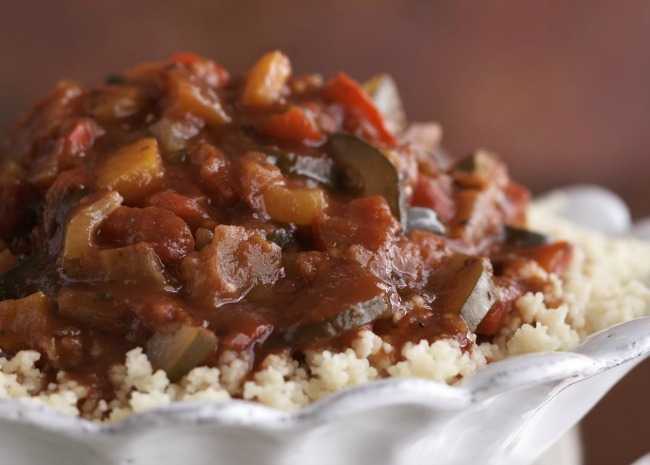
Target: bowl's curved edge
{"points": [[604, 350]]}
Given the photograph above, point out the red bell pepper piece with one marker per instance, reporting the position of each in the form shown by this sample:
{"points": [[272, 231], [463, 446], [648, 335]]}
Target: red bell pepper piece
{"points": [[191, 209], [294, 125], [357, 103]]}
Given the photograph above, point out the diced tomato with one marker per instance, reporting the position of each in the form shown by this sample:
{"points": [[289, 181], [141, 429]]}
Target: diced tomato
{"points": [[347, 92], [554, 258], [367, 221], [240, 328], [226, 269], [255, 174], [167, 233], [493, 320], [215, 173], [429, 193], [193, 210], [294, 125]]}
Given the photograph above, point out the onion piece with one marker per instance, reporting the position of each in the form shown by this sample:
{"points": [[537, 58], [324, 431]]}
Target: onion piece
{"points": [[180, 351], [84, 261], [424, 218], [79, 251], [384, 93]]}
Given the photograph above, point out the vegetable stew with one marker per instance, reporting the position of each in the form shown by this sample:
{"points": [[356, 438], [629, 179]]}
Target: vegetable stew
{"points": [[188, 212]]}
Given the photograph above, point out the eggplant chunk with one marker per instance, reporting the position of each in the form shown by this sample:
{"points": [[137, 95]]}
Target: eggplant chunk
{"points": [[364, 171], [180, 351], [353, 317], [465, 287], [519, 237], [385, 95], [424, 218]]}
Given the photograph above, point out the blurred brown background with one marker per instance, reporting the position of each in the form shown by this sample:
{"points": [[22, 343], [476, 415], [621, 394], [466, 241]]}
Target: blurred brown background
{"points": [[559, 89]]}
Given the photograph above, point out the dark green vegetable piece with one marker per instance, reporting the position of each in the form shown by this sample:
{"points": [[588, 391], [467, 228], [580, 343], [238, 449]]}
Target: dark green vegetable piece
{"points": [[385, 95], [424, 218], [519, 237], [182, 350], [353, 317], [364, 171], [465, 287]]}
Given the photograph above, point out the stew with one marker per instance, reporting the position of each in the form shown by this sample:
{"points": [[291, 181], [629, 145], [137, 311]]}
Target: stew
{"points": [[188, 212]]}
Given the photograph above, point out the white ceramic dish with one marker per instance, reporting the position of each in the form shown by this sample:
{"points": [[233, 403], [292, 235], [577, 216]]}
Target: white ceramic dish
{"points": [[507, 414]]}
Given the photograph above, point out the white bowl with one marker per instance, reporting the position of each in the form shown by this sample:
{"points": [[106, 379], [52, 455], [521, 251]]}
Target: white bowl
{"points": [[508, 413]]}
